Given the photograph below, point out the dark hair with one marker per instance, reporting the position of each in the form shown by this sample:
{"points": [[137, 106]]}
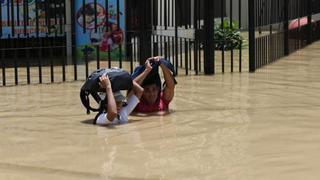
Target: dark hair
{"points": [[152, 78]]}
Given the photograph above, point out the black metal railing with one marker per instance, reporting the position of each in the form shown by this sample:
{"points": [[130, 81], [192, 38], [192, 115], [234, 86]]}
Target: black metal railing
{"points": [[280, 27], [184, 31], [37, 47]]}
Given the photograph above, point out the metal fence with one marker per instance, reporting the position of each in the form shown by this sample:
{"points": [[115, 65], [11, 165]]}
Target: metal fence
{"points": [[280, 27], [183, 31], [39, 45], [39, 38]]}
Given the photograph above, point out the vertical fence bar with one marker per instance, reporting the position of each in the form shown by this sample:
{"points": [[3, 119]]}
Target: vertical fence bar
{"points": [[95, 16], [169, 17], [131, 56], [118, 28], [165, 15], [15, 51], [107, 29], [195, 45], [266, 46], [38, 44], [208, 41], [258, 53], [39, 61], [109, 56], [252, 64], [161, 47], [51, 59], [107, 15], [84, 29], [27, 61], [98, 56], [74, 56], [181, 47], [173, 45], [231, 26], [186, 17], [56, 11], [176, 42], [169, 49], [286, 27], [195, 56], [3, 68], [12, 18], [86, 61], [190, 51], [165, 47], [224, 40], [155, 47], [152, 45], [186, 65], [309, 26], [131, 60], [37, 17], [46, 10], [134, 49], [160, 12], [62, 18], [18, 13], [173, 16], [50, 12], [8, 13], [64, 49], [1, 21]]}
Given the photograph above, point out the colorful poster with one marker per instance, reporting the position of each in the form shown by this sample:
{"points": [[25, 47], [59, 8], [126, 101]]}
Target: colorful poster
{"points": [[100, 34], [21, 22]]}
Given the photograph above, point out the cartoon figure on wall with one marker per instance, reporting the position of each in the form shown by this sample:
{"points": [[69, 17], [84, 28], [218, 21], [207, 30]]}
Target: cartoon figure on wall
{"points": [[111, 38], [99, 34]]}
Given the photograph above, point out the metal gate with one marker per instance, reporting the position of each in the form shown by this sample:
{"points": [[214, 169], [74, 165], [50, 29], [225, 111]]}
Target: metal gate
{"points": [[192, 34]]}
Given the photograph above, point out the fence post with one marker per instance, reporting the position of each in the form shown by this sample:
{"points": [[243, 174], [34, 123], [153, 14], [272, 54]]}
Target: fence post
{"points": [[208, 40], [176, 35], [145, 30], [286, 27], [252, 48], [309, 10]]}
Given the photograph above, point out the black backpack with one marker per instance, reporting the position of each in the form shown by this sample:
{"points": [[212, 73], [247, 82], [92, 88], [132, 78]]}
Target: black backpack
{"points": [[120, 80]]}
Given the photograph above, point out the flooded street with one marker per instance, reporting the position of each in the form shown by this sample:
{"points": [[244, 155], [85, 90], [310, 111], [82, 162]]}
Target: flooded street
{"points": [[240, 126]]}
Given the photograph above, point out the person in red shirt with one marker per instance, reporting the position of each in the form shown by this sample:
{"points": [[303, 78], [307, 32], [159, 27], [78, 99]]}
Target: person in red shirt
{"points": [[155, 99]]}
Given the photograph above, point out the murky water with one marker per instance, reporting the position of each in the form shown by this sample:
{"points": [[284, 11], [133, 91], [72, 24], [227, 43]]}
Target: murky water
{"points": [[233, 126]]}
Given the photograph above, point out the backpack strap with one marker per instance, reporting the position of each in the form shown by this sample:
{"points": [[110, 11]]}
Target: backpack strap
{"points": [[84, 96]]}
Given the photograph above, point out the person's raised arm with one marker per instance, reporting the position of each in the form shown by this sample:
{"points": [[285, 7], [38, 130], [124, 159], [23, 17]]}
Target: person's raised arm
{"points": [[168, 91], [140, 78], [110, 103], [136, 90]]}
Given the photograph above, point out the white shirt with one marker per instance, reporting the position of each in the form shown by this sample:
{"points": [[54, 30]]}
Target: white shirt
{"points": [[122, 115]]}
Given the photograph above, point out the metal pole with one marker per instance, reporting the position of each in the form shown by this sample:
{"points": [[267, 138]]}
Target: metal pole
{"points": [[309, 10], [208, 40], [252, 63], [286, 27]]}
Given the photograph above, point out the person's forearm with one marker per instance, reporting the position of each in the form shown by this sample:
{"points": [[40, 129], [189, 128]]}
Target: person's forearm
{"points": [[111, 104], [139, 79], [138, 90], [168, 77]]}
